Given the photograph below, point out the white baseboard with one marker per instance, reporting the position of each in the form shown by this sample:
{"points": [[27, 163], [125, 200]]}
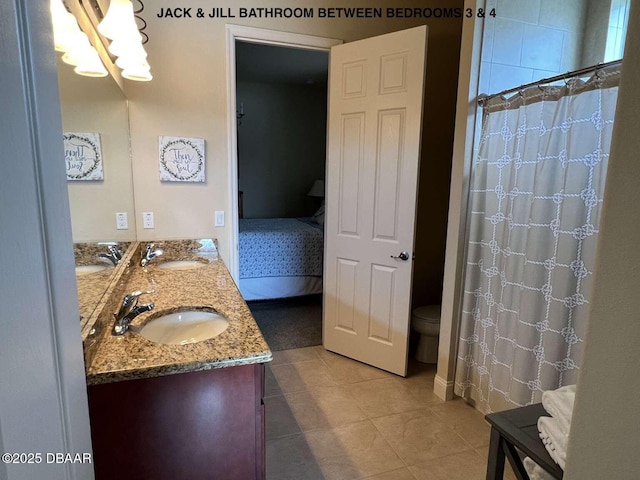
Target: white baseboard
{"points": [[443, 389]]}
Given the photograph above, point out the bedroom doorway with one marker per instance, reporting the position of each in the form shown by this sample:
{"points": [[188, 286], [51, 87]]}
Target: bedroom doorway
{"points": [[280, 134], [237, 33]]}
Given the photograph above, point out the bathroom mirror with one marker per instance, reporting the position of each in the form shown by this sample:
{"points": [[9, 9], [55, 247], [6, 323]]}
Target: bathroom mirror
{"points": [[97, 106]]}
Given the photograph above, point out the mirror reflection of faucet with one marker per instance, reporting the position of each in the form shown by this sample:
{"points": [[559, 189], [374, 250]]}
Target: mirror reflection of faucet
{"points": [[114, 255], [149, 254], [129, 310]]}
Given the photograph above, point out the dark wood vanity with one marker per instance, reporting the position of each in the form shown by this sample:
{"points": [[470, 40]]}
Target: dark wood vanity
{"points": [[198, 425], [189, 410]]}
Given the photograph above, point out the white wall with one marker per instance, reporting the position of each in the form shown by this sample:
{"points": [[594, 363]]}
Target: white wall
{"points": [[282, 148], [605, 439]]}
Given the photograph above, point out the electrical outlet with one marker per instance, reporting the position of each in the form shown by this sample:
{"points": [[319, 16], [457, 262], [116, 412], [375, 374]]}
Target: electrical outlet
{"points": [[121, 221], [219, 218], [147, 220]]}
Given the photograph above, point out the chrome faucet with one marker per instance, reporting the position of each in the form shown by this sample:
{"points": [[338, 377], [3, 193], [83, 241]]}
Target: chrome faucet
{"points": [[150, 254], [114, 255], [128, 311]]}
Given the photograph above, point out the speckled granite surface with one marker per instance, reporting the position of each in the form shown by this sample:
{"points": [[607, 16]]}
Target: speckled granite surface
{"points": [[131, 356]]}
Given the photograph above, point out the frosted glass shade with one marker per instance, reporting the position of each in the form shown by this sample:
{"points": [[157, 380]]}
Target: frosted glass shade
{"points": [[116, 21], [134, 55], [65, 27], [90, 64], [77, 48], [138, 73]]}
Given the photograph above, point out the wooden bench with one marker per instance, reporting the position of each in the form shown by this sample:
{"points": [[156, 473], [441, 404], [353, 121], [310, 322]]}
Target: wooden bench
{"points": [[513, 429]]}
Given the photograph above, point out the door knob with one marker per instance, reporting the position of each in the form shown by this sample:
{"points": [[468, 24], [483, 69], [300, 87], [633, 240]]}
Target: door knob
{"points": [[402, 256]]}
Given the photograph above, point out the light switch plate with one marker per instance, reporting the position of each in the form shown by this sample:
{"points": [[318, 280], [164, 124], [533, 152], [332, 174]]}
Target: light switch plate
{"points": [[147, 220], [219, 219], [121, 221]]}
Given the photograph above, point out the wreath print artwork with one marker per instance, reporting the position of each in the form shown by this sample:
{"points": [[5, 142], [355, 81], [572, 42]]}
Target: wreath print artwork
{"points": [[182, 159], [83, 156]]}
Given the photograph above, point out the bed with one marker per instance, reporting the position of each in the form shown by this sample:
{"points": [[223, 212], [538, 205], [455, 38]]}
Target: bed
{"points": [[280, 257]]}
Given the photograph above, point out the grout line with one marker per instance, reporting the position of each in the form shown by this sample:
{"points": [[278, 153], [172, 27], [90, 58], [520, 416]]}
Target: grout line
{"points": [[390, 445]]}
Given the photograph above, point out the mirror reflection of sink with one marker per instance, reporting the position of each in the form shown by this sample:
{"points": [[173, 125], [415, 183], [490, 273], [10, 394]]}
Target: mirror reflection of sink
{"points": [[181, 264], [183, 328], [88, 269]]}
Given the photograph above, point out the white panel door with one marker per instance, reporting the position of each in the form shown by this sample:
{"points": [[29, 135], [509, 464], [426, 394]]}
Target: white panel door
{"points": [[375, 113]]}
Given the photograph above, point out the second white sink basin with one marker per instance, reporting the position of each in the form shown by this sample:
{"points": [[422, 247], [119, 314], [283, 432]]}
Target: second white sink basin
{"points": [[181, 264], [182, 328]]}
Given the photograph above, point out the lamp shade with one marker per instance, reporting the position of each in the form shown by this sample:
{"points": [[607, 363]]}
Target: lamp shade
{"points": [[65, 27], [77, 50], [115, 22], [317, 189], [90, 64], [139, 73]]}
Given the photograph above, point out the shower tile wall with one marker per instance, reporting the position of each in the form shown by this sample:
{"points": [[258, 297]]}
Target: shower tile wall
{"points": [[529, 40]]}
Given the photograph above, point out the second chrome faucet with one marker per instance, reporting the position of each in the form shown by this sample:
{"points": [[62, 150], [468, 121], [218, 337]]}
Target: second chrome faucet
{"points": [[149, 254]]}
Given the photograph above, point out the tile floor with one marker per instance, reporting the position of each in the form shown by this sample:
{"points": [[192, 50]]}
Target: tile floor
{"points": [[329, 417]]}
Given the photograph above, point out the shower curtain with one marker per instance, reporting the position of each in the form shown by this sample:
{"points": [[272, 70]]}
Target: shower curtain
{"points": [[534, 208]]}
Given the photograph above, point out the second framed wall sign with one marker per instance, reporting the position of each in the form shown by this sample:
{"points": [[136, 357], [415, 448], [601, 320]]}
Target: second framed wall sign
{"points": [[182, 159]]}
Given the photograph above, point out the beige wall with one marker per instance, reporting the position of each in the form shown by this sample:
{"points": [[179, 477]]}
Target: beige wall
{"points": [[604, 440], [98, 105], [188, 97]]}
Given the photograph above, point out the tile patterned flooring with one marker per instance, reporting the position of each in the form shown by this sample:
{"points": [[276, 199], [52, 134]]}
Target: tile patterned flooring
{"points": [[332, 418]]}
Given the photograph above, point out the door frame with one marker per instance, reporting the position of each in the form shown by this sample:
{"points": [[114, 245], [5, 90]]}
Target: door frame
{"points": [[265, 37]]}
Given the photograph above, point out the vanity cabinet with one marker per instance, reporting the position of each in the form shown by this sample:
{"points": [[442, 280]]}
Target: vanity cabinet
{"points": [[199, 425]]}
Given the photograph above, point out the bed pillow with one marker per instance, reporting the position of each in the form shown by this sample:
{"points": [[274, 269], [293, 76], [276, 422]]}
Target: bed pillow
{"points": [[318, 217]]}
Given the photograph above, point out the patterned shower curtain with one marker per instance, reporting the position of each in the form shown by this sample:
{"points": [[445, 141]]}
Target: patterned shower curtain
{"points": [[535, 203]]}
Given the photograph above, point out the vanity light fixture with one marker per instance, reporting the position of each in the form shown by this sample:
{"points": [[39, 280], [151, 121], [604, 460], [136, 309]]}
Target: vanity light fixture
{"points": [[119, 26], [68, 38]]}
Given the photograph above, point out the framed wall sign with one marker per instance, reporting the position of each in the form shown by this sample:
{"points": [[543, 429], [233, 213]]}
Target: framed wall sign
{"points": [[83, 156], [182, 159]]}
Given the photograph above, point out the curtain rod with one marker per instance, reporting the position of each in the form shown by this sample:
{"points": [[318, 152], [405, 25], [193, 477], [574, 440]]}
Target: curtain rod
{"points": [[575, 73]]}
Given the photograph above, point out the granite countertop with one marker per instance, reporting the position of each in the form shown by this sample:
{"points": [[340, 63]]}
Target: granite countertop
{"points": [[131, 356]]}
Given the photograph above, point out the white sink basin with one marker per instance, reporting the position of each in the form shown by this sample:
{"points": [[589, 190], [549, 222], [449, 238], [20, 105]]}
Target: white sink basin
{"points": [[182, 328], [181, 264], [88, 269]]}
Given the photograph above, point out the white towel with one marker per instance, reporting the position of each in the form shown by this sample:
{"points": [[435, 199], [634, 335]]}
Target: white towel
{"points": [[554, 439], [559, 404], [535, 471]]}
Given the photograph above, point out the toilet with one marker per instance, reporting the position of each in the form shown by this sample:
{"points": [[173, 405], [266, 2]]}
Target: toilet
{"points": [[426, 321]]}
